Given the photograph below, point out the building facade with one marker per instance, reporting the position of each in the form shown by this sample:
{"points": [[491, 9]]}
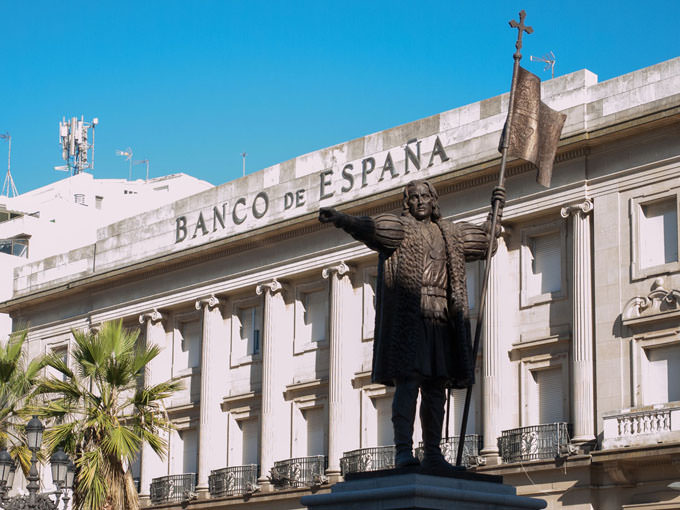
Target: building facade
{"points": [[267, 316]]}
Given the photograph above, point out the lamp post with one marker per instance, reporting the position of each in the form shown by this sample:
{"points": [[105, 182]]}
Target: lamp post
{"points": [[7, 468], [59, 463], [34, 433]]}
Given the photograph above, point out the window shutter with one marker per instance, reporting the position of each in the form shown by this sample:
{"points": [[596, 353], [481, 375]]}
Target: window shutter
{"points": [[546, 266], [658, 233], [550, 408]]}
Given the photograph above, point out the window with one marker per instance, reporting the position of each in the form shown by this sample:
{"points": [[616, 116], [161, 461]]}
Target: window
{"points": [[543, 264], [369, 292], [545, 391], [654, 234], [316, 431], [246, 331], [184, 452], [98, 202], [4, 216], [549, 391], [311, 317], [249, 434], [384, 429], [661, 376], [58, 347], [187, 344], [250, 320], [472, 280], [62, 353], [16, 247]]}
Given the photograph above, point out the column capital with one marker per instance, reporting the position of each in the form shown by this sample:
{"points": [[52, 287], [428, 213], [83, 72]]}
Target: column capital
{"points": [[584, 207], [272, 286], [210, 302], [153, 316], [340, 269]]}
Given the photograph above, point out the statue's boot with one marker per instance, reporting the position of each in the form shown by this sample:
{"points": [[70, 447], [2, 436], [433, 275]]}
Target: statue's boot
{"points": [[403, 416], [432, 420]]}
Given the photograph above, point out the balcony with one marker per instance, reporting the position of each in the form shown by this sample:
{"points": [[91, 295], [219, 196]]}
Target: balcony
{"points": [[299, 472], [367, 459], [233, 481], [173, 488], [538, 442], [471, 448], [640, 426]]}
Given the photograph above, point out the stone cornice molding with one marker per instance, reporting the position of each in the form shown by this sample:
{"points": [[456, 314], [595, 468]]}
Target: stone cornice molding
{"points": [[153, 316], [210, 301], [584, 207], [340, 269], [271, 286]]}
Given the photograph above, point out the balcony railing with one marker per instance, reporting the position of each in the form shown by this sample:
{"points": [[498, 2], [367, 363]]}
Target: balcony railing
{"points": [[367, 459], [449, 448], [233, 480], [534, 443], [648, 425], [299, 472], [173, 488]]}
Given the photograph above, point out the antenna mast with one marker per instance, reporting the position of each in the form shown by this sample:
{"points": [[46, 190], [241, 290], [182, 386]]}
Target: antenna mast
{"points": [[74, 143], [243, 155], [128, 156], [8, 187], [549, 60]]}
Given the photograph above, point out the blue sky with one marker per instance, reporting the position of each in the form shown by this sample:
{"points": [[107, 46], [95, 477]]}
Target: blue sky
{"points": [[191, 85]]}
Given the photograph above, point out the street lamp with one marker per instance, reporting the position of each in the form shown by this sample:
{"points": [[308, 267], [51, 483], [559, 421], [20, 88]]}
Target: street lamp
{"points": [[59, 465], [70, 476], [6, 472], [34, 433]]}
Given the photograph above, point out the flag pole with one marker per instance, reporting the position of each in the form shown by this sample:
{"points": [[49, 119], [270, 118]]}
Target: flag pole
{"points": [[521, 27]]}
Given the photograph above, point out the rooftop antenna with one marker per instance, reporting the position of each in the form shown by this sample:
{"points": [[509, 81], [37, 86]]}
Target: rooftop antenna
{"points": [[141, 162], [74, 144], [549, 60], [243, 155], [127, 153], [8, 187]]}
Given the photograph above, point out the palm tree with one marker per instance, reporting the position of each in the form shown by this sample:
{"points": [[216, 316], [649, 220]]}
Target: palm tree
{"points": [[17, 379], [102, 413]]}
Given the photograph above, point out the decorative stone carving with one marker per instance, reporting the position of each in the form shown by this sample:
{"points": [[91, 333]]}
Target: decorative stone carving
{"points": [[211, 302], [272, 286], [659, 301], [154, 316], [584, 207]]}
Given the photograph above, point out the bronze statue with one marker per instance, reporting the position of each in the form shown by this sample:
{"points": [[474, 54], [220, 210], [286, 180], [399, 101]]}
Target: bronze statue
{"points": [[422, 333]]}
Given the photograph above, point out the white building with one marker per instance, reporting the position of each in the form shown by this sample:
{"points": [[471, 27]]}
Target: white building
{"points": [[267, 315], [66, 214]]}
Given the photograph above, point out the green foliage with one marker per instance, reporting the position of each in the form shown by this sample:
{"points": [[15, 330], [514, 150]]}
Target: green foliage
{"points": [[17, 378], [102, 414]]}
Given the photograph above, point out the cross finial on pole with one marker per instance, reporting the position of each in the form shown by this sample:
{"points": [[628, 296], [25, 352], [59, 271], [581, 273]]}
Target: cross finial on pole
{"points": [[521, 27]]}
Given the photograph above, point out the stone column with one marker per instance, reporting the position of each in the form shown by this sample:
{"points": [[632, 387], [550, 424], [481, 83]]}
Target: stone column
{"points": [[209, 394], [273, 300], [492, 355], [583, 412], [338, 276], [151, 465]]}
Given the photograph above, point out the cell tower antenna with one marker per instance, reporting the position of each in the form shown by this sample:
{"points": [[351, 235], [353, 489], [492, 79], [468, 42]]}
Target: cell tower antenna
{"points": [[73, 137], [141, 162], [127, 153], [549, 60], [8, 187], [243, 155]]}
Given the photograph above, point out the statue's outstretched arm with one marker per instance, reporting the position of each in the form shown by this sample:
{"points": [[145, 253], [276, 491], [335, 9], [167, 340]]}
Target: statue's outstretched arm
{"points": [[382, 233]]}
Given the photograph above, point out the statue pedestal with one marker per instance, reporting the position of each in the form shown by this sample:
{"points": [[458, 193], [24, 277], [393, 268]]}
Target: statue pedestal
{"points": [[408, 489]]}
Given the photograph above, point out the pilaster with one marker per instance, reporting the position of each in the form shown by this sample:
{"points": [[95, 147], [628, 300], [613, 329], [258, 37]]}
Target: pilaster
{"points": [[492, 382], [151, 465], [209, 394], [338, 275], [273, 301], [583, 411]]}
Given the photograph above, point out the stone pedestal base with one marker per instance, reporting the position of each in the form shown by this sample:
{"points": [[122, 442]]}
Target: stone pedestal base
{"points": [[396, 489]]}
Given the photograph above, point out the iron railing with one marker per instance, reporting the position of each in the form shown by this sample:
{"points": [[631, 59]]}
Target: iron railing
{"points": [[233, 480], [299, 472], [173, 488], [537, 442], [449, 447], [367, 459]]}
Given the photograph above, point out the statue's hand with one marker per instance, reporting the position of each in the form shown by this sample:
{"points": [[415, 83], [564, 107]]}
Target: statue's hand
{"points": [[498, 195], [329, 215]]}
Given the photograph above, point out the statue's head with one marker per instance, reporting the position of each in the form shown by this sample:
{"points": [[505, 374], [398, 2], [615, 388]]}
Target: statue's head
{"points": [[421, 201]]}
